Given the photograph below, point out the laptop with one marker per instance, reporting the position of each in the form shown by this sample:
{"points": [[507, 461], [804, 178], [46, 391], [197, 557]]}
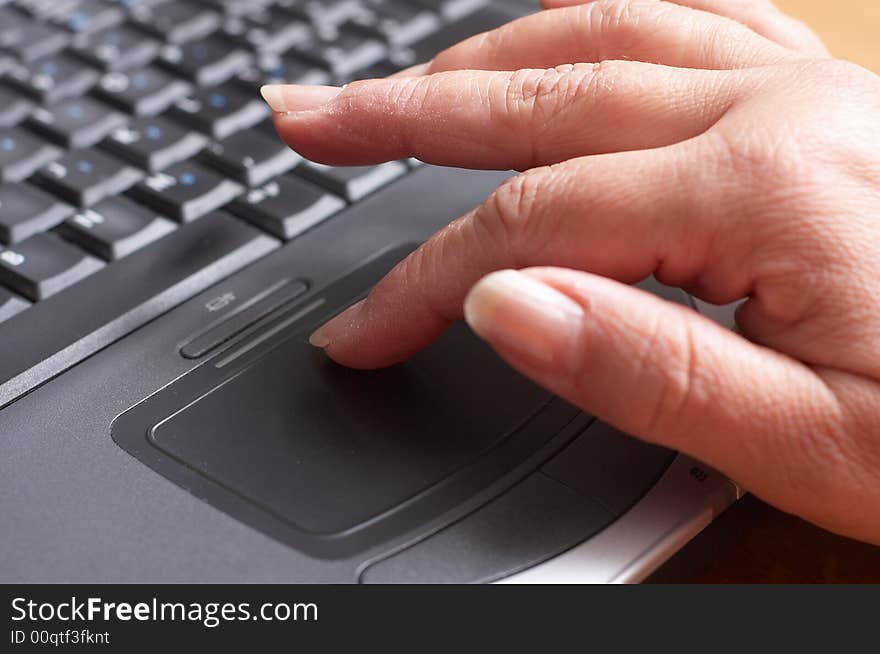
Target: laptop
{"points": [[163, 258]]}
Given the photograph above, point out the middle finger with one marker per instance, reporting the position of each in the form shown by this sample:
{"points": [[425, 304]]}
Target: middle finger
{"points": [[483, 119], [641, 30]]}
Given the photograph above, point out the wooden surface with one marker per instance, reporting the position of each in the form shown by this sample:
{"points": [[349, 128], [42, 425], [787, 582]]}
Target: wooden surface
{"points": [[755, 543], [851, 28]]}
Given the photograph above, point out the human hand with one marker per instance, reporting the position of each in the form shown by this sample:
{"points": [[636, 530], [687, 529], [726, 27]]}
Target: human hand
{"points": [[741, 162]]}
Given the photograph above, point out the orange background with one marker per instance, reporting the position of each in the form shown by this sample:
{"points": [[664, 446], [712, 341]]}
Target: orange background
{"points": [[851, 28]]}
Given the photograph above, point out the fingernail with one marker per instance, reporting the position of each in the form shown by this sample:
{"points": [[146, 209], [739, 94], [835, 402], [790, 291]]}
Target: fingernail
{"points": [[319, 338], [322, 336], [517, 312], [289, 98]]}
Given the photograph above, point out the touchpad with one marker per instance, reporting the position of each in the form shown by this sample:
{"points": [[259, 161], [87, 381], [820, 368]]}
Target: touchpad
{"points": [[329, 448], [331, 459]]}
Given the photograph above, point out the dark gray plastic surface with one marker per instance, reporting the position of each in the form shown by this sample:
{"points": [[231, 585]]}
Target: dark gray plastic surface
{"points": [[530, 523], [610, 466]]}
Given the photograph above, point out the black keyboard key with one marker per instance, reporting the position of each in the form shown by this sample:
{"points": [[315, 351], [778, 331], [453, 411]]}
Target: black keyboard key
{"points": [[135, 5], [341, 51], [21, 153], [221, 111], [396, 62], [282, 69], [85, 16], [29, 39], [43, 265], [452, 10], [267, 30], [85, 177], [55, 77], [25, 211], [143, 92], [206, 62], [287, 206], [176, 21], [238, 7], [76, 123], [11, 23], [53, 335], [473, 22], [11, 304], [45, 9], [186, 191], [10, 20], [396, 22], [352, 182], [121, 47], [155, 143], [115, 228], [14, 107], [323, 13], [251, 157]]}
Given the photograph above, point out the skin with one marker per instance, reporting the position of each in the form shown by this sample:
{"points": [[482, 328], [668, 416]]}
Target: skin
{"points": [[711, 143]]}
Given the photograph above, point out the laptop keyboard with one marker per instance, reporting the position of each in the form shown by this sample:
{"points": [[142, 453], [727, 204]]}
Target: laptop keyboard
{"points": [[132, 132]]}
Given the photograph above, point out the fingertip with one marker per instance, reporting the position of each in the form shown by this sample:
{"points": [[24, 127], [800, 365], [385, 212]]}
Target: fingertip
{"points": [[319, 339], [294, 98], [273, 96], [335, 329]]}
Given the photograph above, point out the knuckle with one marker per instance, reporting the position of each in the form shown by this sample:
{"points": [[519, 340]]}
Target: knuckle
{"points": [[679, 390], [620, 16], [534, 99], [408, 93], [781, 194], [631, 22], [846, 74], [601, 79], [761, 157], [510, 216], [402, 97]]}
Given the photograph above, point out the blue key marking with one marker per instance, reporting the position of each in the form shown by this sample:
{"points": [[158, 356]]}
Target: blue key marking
{"points": [[112, 38], [8, 144], [217, 100], [75, 111], [84, 167], [79, 20], [139, 81], [187, 179], [153, 133], [49, 68]]}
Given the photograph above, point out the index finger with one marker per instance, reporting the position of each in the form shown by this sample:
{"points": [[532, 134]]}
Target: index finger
{"points": [[545, 217]]}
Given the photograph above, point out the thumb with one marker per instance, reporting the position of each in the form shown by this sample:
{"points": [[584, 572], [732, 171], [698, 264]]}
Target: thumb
{"points": [[659, 371]]}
